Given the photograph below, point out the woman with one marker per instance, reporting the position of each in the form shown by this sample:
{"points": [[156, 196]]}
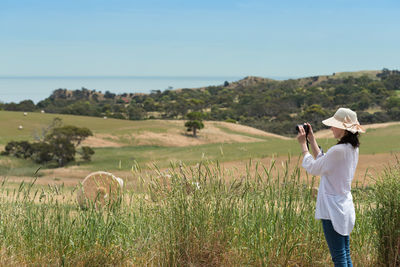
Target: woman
{"points": [[334, 201]]}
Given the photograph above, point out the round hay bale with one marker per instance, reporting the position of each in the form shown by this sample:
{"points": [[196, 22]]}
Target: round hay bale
{"points": [[99, 189]]}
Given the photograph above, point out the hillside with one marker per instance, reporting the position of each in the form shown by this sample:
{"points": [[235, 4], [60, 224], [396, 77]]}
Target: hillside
{"points": [[249, 81], [118, 133], [262, 103], [120, 144], [306, 81]]}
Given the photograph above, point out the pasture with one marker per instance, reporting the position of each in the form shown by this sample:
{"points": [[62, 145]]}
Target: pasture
{"points": [[120, 144], [235, 196]]}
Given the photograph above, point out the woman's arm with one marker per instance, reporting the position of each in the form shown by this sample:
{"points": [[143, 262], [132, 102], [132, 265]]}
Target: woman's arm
{"points": [[320, 165], [328, 162], [313, 142]]}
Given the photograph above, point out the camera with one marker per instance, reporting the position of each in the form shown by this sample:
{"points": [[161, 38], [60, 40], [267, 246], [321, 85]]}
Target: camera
{"points": [[305, 126]]}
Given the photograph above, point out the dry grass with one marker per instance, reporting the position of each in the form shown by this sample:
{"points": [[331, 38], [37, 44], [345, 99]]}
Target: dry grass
{"points": [[99, 140], [253, 218], [176, 136], [368, 165]]}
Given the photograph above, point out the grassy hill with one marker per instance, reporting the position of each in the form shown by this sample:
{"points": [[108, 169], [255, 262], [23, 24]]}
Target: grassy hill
{"points": [[262, 103], [116, 133], [313, 80], [120, 144]]}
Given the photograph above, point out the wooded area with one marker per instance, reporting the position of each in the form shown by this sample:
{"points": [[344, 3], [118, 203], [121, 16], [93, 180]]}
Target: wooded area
{"points": [[271, 105]]}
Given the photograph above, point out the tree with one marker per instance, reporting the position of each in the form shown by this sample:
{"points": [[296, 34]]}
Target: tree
{"points": [[26, 105], [42, 152], [393, 107], [87, 153], [136, 112], [195, 122], [59, 144], [109, 95], [64, 139], [314, 114]]}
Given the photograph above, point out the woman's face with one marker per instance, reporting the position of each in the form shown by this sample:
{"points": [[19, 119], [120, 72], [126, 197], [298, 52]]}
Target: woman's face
{"points": [[337, 133]]}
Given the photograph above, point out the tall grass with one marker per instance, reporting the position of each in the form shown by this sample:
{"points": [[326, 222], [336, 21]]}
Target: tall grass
{"points": [[188, 216], [386, 215]]}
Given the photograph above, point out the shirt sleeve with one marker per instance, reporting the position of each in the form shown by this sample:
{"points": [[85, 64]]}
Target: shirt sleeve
{"points": [[324, 163], [320, 154]]}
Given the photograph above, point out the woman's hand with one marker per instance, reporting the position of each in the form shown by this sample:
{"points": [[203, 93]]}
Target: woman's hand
{"points": [[301, 136], [310, 135]]}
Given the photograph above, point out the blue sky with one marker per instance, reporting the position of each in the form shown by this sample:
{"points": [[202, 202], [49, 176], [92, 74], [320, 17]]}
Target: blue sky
{"points": [[197, 38]]}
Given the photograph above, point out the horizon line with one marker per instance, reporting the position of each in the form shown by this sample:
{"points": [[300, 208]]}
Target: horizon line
{"points": [[143, 76]]}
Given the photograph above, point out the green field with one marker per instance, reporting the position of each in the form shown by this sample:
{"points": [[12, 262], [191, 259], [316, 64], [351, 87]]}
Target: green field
{"points": [[381, 140], [199, 216]]}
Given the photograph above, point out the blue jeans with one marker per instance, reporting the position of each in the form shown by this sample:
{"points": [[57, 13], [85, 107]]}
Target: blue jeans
{"points": [[339, 245]]}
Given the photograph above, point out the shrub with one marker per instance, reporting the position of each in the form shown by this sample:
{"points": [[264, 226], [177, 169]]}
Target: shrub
{"points": [[230, 120], [22, 149]]}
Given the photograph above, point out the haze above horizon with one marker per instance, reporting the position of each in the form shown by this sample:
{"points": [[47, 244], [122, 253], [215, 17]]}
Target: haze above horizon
{"points": [[178, 38]]}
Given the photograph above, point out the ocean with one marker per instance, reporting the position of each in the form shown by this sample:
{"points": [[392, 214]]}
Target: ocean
{"points": [[16, 89]]}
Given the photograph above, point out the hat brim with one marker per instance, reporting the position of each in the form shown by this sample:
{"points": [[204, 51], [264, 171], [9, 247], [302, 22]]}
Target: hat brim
{"points": [[332, 122]]}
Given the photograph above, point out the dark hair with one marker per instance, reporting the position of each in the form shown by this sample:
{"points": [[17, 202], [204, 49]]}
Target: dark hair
{"points": [[350, 138]]}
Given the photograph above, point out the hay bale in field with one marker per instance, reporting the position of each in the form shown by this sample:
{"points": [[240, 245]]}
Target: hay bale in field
{"points": [[99, 188]]}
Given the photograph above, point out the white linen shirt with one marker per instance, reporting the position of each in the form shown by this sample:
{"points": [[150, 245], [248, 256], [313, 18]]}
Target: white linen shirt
{"points": [[334, 199]]}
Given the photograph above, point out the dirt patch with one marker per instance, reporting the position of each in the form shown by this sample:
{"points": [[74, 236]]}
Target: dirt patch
{"points": [[328, 133], [174, 134], [248, 130], [178, 138], [100, 140]]}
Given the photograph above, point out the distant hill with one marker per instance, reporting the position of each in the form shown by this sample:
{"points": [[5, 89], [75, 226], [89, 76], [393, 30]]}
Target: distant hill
{"points": [[312, 80], [245, 82]]}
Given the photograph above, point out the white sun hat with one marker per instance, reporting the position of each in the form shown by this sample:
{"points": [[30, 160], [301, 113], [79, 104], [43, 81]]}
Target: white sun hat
{"points": [[345, 119]]}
